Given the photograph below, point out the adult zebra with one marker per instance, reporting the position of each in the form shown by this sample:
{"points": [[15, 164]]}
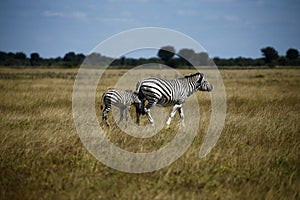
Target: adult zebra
{"points": [[165, 93], [121, 99]]}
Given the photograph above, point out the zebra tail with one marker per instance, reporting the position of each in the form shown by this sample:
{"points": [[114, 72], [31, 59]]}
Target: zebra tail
{"points": [[102, 100], [138, 85], [141, 108]]}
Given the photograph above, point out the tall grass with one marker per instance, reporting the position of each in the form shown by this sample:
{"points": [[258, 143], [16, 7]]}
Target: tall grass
{"points": [[256, 157]]}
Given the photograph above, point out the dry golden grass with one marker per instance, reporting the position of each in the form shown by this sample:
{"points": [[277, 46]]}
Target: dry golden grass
{"points": [[256, 157]]}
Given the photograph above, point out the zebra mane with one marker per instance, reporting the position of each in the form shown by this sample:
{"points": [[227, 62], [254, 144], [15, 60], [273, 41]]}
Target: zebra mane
{"points": [[192, 75], [132, 92], [195, 77]]}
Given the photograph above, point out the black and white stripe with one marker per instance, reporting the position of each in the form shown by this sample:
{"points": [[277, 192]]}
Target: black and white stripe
{"points": [[165, 93], [121, 99]]}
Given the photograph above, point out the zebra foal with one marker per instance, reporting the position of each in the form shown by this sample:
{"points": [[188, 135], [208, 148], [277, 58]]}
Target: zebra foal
{"points": [[121, 99], [166, 93]]}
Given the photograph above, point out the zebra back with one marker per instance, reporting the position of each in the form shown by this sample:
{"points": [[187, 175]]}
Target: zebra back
{"points": [[167, 92], [120, 98]]}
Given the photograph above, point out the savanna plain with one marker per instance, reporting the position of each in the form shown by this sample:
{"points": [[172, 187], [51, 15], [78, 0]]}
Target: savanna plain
{"points": [[256, 157]]}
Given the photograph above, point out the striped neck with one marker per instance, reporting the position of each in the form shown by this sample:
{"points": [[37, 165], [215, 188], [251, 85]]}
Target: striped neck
{"points": [[191, 85]]}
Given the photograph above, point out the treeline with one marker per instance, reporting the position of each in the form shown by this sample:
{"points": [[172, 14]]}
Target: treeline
{"points": [[184, 58], [270, 58], [20, 59]]}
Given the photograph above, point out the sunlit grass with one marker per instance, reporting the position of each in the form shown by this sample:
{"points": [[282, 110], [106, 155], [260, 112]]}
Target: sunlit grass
{"points": [[256, 157]]}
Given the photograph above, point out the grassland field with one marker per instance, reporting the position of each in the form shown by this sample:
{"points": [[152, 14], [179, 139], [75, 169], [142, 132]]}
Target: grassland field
{"points": [[256, 157]]}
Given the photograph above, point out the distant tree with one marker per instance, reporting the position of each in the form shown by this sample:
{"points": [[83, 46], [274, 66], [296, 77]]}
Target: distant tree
{"points": [[35, 59], [58, 59], [20, 56], [3, 56], [259, 62], [72, 60], [174, 63], [155, 60], [186, 55], [292, 54], [70, 57], [133, 61], [7, 59], [21, 59], [97, 59], [11, 55], [270, 55], [35, 56], [202, 58], [282, 61], [166, 53], [123, 60]]}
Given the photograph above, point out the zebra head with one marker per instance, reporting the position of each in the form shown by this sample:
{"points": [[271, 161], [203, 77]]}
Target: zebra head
{"points": [[137, 102], [204, 85], [135, 98]]}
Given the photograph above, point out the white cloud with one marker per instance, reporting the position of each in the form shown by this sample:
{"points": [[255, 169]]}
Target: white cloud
{"points": [[227, 18], [48, 13], [75, 15], [186, 12], [78, 15], [116, 19]]}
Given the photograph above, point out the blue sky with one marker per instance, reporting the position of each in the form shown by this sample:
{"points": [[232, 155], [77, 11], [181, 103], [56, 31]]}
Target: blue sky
{"points": [[225, 28]]}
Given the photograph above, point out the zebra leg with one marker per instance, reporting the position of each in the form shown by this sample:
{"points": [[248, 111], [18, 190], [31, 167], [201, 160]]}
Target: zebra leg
{"points": [[104, 114], [138, 117], [126, 115], [139, 109], [121, 115], [180, 110], [147, 111], [172, 114]]}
